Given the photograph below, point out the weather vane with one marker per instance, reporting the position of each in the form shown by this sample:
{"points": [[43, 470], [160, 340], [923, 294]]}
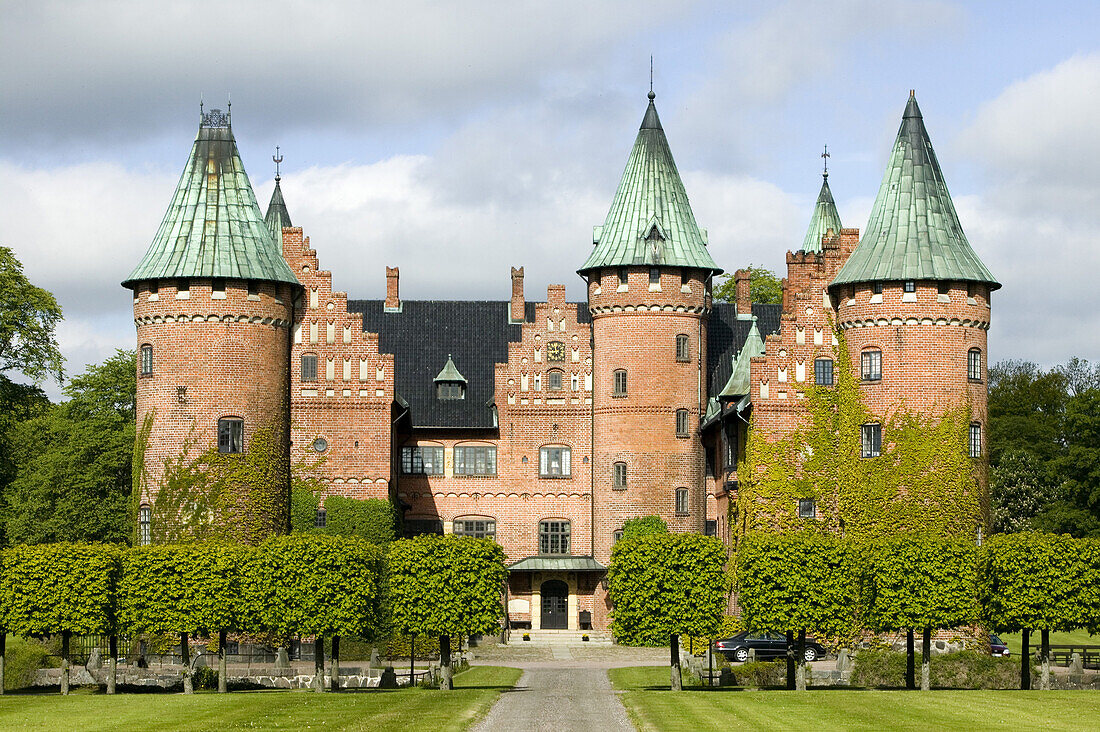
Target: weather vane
{"points": [[651, 94], [278, 159], [825, 155]]}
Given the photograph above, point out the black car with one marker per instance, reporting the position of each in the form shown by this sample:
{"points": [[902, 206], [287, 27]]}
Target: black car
{"points": [[767, 644]]}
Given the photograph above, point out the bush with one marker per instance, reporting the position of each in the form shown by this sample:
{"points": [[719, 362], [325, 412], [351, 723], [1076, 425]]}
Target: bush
{"points": [[760, 674], [23, 658], [962, 670], [642, 526], [371, 519], [303, 509], [205, 678]]}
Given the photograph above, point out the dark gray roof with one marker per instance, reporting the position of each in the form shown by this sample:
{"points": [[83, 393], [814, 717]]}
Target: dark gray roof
{"points": [[277, 217], [474, 334], [725, 336]]}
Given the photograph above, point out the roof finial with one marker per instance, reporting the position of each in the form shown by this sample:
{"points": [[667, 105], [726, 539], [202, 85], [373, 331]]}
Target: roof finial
{"points": [[912, 93], [651, 94], [825, 155], [278, 159]]}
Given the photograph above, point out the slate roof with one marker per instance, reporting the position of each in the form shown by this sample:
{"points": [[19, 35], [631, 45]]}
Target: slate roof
{"points": [[913, 232], [213, 226], [726, 335], [825, 217], [474, 334], [650, 195]]}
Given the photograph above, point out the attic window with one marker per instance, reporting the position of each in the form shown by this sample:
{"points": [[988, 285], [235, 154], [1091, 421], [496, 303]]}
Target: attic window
{"points": [[450, 390]]}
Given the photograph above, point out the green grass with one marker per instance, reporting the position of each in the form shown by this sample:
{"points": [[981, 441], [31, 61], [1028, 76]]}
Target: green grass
{"points": [[1075, 637], [653, 707], [404, 709]]}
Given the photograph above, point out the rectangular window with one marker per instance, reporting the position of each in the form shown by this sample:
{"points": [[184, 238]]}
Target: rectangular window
{"points": [[154, 287], [420, 527], [321, 518], [710, 458], [416, 460], [183, 289], [975, 440], [872, 441], [554, 462], [620, 476], [870, 363], [616, 535], [217, 288], [231, 435], [253, 289], [974, 365], [683, 351], [622, 277], [807, 508], [620, 383], [145, 526], [681, 501], [710, 528], [477, 528], [553, 381], [729, 439], [450, 390], [475, 461], [910, 286], [654, 276], [943, 288], [146, 360], [823, 372], [309, 367], [876, 288], [554, 537], [681, 423]]}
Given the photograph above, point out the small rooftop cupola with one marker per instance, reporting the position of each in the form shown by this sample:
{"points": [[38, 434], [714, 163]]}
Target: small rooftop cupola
{"points": [[650, 221], [213, 227], [913, 232], [825, 217], [277, 216], [450, 383]]}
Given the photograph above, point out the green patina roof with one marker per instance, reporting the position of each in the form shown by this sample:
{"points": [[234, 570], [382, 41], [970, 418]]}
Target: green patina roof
{"points": [[913, 232], [213, 227], [650, 221], [825, 218], [557, 564], [450, 372], [277, 216], [738, 384]]}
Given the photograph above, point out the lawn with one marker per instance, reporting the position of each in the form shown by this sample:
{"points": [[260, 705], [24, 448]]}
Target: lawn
{"points": [[404, 709], [1075, 637], [653, 707]]}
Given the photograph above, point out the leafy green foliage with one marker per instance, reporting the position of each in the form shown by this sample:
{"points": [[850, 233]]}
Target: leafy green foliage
{"points": [[643, 525], [52, 588], [445, 585], [1020, 489], [183, 588], [23, 658], [764, 287], [74, 461], [798, 581], [1026, 408], [28, 317], [304, 502], [323, 585], [663, 584], [371, 519], [919, 581], [961, 670]]}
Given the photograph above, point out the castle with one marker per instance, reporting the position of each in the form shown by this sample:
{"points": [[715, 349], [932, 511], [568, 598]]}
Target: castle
{"points": [[546, 425]]}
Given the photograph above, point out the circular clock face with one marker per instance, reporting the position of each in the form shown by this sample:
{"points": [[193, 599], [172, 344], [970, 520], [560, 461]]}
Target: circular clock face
{"points": [[320, 444], [555, 351]]}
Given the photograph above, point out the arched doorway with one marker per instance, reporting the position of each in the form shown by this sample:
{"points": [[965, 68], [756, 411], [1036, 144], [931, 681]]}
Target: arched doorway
{"points": [[555, 605]]}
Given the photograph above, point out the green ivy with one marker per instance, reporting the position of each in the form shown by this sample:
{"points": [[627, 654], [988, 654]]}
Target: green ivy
{"points": [[50, 588], [642, 525]]}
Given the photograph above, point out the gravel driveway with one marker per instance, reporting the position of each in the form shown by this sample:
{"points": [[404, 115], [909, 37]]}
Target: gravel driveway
{"points": [[558, 699]]}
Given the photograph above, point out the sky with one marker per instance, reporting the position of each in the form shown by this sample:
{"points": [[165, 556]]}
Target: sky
{"points": [[458, 139]]}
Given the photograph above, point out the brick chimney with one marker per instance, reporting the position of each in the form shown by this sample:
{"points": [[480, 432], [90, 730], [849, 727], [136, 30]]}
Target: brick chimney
{"points": [[516, 312], [742, 292], [393, 301]]}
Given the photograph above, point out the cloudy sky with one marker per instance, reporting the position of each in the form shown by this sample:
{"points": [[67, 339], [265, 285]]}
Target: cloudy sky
{"points": [[455, 139]]}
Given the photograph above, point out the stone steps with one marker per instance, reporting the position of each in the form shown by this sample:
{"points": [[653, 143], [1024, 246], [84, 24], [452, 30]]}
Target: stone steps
{"points": [[561, 638]]}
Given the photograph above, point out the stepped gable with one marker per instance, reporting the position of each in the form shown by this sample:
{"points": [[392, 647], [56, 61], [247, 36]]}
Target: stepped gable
{"points": [[650, 221], [824, 219], [913, 232], [213, 227], [473, 334], [726, 335]]}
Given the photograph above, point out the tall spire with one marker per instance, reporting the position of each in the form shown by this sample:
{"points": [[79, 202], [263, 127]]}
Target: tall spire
{"points": [[825, 216], [650, 221], [277, 216], [213, 226], [913, 232]]}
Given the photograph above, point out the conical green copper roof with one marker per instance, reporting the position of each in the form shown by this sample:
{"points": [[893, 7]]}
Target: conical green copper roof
{"points": [[913, 232], [739, 381], [650, 221], [825, 218], [450, 372], [277, 216], [213, 227]]}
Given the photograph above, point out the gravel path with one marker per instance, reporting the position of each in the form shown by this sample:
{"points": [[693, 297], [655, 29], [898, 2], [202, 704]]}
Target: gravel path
{"points": [[558, 699]]}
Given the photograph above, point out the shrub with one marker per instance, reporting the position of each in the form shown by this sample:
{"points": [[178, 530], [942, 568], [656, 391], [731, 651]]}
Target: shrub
{"points": [[205, 678], [961, 670], [23, 658], [643, 525], [303, 509], [371, 519], [760, 674]]}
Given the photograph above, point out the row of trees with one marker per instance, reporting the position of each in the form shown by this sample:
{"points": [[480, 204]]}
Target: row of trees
{"points": [[838, 587], [313, 585]]}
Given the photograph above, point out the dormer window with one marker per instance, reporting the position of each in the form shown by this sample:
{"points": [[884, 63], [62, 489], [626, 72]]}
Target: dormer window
{"points": [[450, 383]]}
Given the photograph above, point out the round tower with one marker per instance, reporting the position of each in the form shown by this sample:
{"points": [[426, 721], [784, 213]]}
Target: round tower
{"points": [[913, 299], [649, 278], [213, 304]]}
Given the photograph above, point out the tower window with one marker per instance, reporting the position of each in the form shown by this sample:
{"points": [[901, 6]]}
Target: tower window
{"points": [[622, 277], [683, 350], [145, 526], [253, 290], [554, 462], [871, 440], [146, 360], [553, 381], [554, 537], [823, 371], [685, 276], [422, 526], [217, 289], [426, 460], [619, 388], [620, 476], [975, 440], [870, 365], [309, 367], [681, 423], [807, 508], [183, 289], [974, 364], [321, 519], [910, 286], [681, 501], [451, 390], [476, 528], [943, 288], [654, 276], [231, 435], [876, 288]]}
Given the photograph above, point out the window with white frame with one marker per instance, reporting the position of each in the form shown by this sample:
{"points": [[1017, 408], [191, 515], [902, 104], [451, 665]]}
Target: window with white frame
{"points": [[145, 525], [231, 435], [553, 380], [619, 476], [476, 460], [683, 349], [478, 528], [681, 501], [146, 360], [870, 365], [682, 423], [554, 536], [422, 460], [309, 367], [823, 371], [619, 387], [807, 508], [974, 364], [554, 462], [975, 440], [871, 442]]}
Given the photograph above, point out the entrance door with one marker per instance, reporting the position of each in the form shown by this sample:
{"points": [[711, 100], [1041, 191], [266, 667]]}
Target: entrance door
{"points": [[555, 605]]}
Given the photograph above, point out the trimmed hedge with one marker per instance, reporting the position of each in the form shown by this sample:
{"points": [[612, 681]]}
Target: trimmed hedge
{"points": [[961, 670], [372, 519]]}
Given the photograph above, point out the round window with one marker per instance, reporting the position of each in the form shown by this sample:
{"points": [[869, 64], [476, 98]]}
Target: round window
{"points": [[320, 444]]}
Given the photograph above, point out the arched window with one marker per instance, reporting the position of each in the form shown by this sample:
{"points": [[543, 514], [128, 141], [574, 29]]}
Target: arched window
{"points": [[309, 367], [681, 501], [823, 371], [975, 440], [619, 470], [683, 351], [475, 460], [553, 380], [681, 423], [870, 365], [146, 360], [974, 364], [554, 536], [476, 526], [619, 388], [231, 435], [145, 526]]}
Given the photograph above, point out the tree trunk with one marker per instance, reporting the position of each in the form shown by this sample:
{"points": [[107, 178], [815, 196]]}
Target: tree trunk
{"points": [[3, 654], [319, 663], [677, 681], [910, 661], [335, 672], [446, 673], [926, 660], [800, 676], [223, 673], [1025, 659], [1044, 658], [185, 653], [65, 637], [412, 659], [791, 665], [112, 664]]}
